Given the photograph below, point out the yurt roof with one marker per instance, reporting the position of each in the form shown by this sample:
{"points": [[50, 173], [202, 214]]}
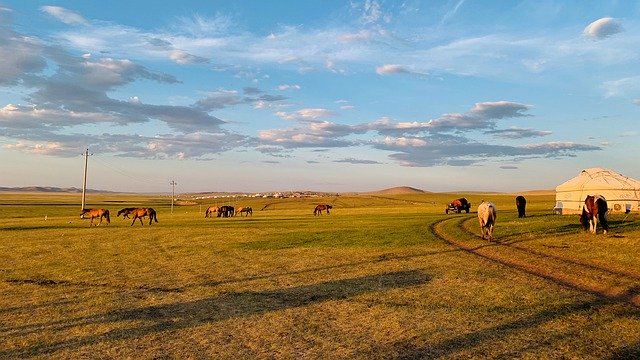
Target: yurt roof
{"points": [[599, 179]]}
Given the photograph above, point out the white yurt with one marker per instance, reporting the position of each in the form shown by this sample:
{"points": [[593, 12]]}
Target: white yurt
{"points": [[621, 192]]}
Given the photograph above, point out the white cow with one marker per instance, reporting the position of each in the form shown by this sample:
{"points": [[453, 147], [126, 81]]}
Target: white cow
{"points": [[487, 218]]}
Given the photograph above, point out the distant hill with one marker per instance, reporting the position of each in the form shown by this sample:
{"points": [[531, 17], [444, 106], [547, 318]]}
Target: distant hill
{"points": [[398, 191], [49, 189]]}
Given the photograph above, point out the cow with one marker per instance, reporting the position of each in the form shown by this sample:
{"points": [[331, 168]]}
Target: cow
{"points": [[521, 204], [487, 219], [594, 208], [458, 205]]}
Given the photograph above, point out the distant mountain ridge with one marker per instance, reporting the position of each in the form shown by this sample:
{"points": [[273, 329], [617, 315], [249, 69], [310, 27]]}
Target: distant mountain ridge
{"points": [[49, 189], [398, 190]]}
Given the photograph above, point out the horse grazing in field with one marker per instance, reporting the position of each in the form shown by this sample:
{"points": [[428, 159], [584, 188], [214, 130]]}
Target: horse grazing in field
{"points": [[521, 204], [125, 212], [247, 210], [318, 210], [487, 219], [210, 211], [96, 213], [225, 211], [139, 213], [458, 205], [594, 208]]}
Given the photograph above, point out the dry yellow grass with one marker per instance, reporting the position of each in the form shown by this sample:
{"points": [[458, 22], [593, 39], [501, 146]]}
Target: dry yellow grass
{"points": [[379, 278]]}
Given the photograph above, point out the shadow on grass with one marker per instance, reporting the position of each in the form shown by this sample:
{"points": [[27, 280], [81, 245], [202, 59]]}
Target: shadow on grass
{"points": [[180, 315], [412, 349]]}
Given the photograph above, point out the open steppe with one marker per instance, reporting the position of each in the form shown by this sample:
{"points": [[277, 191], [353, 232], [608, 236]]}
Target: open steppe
{"points": [[385, 275]]}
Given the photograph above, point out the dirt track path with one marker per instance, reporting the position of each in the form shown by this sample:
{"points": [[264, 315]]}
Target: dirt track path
{"points": [[587, 277]]}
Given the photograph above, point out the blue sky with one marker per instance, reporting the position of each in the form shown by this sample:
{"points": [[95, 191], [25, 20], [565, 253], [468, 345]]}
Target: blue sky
{"points": [[317, 95]]}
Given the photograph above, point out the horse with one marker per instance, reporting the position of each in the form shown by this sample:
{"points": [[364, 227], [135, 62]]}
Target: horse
{"points": [[210, 211], [247, 210], [458, 205], [125, 212], [594, 208], [487, 218], [225, 211], [521, 204], [96, 213], [139, 213], [318, 210]]}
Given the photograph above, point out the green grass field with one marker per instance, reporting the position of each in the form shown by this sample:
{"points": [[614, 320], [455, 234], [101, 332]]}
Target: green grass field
{"points": [[382, 277]]}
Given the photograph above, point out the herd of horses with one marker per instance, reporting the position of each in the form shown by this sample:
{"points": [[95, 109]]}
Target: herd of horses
{"points": [[139, 213], [594, 209]]}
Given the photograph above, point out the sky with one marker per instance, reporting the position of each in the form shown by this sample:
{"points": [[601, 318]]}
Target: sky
{"points": [[324, 95]]}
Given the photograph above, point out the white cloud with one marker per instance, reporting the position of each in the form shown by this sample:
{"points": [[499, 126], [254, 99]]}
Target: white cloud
{"points": [[388, 69], [65, 15], [603, 28], [305, 115]]}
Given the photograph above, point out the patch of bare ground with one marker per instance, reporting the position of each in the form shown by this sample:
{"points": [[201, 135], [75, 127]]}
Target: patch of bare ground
{"points": [[595, 279]]}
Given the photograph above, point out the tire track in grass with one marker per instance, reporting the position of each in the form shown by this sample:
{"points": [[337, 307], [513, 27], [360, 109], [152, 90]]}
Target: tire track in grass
{"points": [[588, 278]]}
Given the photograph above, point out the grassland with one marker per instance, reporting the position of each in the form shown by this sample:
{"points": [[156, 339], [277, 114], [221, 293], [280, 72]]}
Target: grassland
{"points": [[383, 277]]}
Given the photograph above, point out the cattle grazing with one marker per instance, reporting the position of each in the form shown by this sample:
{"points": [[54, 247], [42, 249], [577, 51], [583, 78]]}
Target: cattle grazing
{"points": [[225, 211], [96, 213], [246, 210], [521, 204], [487, 219], [594, 209], [322, 207], [458, 205], [210, 211]]}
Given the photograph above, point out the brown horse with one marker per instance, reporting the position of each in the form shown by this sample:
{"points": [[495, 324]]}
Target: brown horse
{"points": [[318, 210], [521, 205], [139, 213], [125, 212], [210, 211], [247, 210], [594, 209], [96, 213]]}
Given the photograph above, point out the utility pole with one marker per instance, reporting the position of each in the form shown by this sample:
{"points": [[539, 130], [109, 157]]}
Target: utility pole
{"points": [[84, 182], [173, 192]]}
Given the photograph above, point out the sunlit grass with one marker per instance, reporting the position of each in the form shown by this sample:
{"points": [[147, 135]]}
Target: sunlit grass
{"points": [[371, 280]]}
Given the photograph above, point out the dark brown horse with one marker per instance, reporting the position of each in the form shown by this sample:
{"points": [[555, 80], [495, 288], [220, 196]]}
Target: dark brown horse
{"points": [[139, 213], [247, 210], [521, 204], [318, 210], [226, 211], [594, 209], [210, 211], [96, 213]]}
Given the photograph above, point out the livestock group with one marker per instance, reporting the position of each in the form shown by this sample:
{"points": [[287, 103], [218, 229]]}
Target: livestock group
{"points": [[594, 210]]}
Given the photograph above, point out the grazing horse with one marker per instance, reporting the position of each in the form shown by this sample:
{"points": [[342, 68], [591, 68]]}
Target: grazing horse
{"points": [[521, 204], [594, 208], [458, 205], [318, 210], [139, 213], [247, 210], [487, 218], [210, 211], [125, 212], [225, 211], [96, 213]]}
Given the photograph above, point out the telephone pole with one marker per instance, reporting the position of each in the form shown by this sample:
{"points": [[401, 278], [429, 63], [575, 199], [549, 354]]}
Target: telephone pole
{"points": [[173, 192], [84, 182]]}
